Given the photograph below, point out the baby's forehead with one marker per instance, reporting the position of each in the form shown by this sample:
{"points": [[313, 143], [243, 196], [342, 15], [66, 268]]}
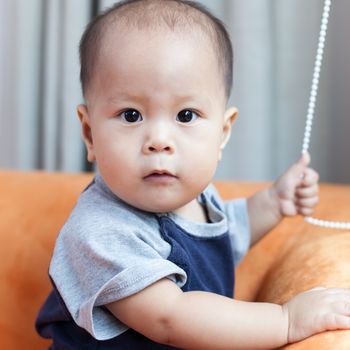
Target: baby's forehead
{"points": [[154, 17], [117, 38], [159, 16], [118, 32], [155, 46]]}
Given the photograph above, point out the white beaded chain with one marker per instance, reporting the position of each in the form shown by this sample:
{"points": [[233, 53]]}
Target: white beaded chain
{"points": [[311, 109]]}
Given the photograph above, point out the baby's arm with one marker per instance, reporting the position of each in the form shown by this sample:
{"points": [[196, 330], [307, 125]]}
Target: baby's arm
{"points": [[295, 192], [202, 320]]}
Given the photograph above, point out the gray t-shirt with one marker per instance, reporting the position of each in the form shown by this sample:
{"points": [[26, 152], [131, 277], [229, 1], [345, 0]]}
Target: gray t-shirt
{"points": [[108, 250]]}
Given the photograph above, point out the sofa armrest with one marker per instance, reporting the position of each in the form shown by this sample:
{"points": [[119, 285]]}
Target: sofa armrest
{"points": [[297, 256], [33, 206]]}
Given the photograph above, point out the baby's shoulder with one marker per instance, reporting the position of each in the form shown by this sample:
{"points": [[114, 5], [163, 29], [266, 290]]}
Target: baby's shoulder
{"points": [[100, 213]]}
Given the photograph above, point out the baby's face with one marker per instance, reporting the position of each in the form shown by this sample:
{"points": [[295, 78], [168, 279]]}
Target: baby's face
{"points": [[155, 120]]}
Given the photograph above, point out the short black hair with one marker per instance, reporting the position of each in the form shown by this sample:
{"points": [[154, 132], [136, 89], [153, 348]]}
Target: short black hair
{"points": [[148, 13]]}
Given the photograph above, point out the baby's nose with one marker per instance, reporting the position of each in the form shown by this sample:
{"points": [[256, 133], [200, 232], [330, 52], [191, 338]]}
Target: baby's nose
{"points": [[158, 145], [159, 139]]}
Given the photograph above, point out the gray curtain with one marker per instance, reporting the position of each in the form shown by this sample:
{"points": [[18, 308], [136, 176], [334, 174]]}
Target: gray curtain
{"points": [[274, 41], [40, 83]]}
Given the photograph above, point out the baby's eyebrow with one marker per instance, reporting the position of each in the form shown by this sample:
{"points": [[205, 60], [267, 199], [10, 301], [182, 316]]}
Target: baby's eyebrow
{"points": [[174, 98], [120, 97]]}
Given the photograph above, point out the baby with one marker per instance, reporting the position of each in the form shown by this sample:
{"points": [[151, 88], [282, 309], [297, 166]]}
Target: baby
{"points": [[146, 258]]}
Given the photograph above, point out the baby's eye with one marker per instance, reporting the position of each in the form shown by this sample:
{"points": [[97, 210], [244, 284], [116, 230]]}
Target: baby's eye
{"points": [[131, 116], [186, 116]]}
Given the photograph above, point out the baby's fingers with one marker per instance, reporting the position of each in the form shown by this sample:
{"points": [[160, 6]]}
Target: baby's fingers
{"points": [[307, 202], [310, 177], [338, 316], [336, 321], [318, 310], [306, 206], [306, 192], [344, 292]]}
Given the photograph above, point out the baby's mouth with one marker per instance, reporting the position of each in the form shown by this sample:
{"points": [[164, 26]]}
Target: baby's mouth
{"points": [[160, 176]]}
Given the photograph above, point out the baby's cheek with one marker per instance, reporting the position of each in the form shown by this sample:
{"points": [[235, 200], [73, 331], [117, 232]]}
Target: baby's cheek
{"points": [[209, 165]]}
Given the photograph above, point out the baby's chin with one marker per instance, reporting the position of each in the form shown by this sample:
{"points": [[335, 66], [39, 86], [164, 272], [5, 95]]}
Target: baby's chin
{"points": [[157, 208], [159, 204]]}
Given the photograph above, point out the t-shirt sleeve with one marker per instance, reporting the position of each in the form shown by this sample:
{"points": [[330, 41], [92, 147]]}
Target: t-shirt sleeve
{"points": [[236, 213], [96, 264], [238, 222]]}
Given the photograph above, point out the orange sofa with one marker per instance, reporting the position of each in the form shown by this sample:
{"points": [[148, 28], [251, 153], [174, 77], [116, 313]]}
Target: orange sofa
{"points": [[34, 205]]}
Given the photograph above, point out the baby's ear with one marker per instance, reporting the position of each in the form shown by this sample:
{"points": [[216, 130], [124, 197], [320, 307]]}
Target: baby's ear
{"points": [[83, 115], [229, 117]]}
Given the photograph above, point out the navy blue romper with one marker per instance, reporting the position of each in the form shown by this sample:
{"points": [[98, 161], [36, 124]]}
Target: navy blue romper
{"points": [[208, 263]]}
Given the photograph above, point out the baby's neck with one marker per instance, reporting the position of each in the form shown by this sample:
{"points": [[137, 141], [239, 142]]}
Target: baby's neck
{"points": [[193, 211]]}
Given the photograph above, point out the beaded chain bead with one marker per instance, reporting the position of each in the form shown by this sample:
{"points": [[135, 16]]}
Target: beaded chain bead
{"points": [[311, 110], [329, 224]]}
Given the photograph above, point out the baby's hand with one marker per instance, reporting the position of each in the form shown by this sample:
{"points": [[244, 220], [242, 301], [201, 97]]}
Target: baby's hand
{"points": [[297, 189], [317, 310]]}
